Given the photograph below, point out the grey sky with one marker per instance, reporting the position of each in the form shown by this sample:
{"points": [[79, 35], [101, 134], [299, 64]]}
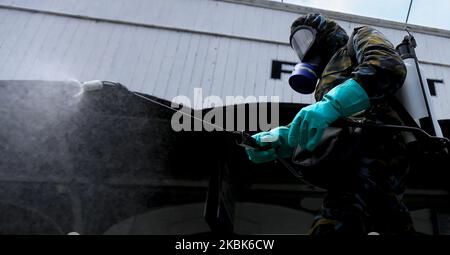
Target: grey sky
{"points": [[431, 13]]}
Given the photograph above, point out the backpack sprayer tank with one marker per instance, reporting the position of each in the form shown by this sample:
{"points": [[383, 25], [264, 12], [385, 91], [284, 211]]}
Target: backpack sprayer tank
{"points": [[414, 95]]}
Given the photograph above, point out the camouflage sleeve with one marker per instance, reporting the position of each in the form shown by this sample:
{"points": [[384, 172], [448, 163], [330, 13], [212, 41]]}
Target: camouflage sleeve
{"points": [[380, 70]]}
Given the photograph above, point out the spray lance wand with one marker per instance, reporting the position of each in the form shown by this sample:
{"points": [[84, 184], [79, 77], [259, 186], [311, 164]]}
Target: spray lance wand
{"points": [[245, 140], [242, 138]]}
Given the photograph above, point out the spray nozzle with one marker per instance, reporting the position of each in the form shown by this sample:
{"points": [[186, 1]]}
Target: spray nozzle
{"points": [[91, 85], [95, 85]]}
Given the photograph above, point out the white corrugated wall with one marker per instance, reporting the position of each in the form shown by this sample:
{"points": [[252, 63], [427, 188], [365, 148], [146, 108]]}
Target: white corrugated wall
{"points": [[168, 47]]}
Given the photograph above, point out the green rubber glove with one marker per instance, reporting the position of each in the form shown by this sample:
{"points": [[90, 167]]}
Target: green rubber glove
{"points": [[278, 138], [310, 123]]}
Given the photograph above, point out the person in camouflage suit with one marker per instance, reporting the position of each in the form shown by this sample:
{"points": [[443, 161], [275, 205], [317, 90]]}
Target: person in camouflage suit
{"points": [[374, 201], [370, 198]]}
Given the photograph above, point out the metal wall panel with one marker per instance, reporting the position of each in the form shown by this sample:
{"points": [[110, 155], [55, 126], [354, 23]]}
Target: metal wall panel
{"points": [[154, 61], [213, 16]]}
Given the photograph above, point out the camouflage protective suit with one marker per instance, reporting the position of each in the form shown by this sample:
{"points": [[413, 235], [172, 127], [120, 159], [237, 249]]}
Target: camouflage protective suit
{"points": [[370, 198]]}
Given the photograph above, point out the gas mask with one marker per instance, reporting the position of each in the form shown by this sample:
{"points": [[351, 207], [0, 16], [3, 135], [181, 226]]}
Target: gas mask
{"points": [[305, 75]]}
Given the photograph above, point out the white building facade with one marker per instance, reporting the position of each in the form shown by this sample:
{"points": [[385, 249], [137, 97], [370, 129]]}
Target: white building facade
{"points": [[167, 48]]}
